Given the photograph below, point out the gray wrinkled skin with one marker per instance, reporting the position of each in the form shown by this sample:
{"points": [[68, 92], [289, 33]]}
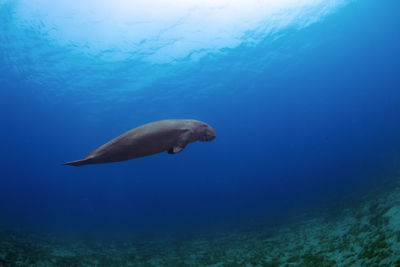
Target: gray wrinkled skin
{"points": [[150, 139]]}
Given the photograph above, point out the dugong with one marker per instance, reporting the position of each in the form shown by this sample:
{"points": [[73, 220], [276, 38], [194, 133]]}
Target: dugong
{"points": [[150, 139]]}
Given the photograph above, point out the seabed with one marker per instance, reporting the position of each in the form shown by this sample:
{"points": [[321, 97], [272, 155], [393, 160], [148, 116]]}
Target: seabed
{"points": [[366, 235]]}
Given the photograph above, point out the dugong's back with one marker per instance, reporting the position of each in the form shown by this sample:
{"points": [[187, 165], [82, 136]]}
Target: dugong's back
{"points": [[145, 140], [148, 139]]}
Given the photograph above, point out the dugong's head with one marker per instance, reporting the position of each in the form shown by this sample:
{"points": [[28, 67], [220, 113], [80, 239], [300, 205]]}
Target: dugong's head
{"points": [[204, 132]]}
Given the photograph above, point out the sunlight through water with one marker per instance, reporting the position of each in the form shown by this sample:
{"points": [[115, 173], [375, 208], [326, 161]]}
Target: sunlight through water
{"points": [[162, 31], [104, 49]]}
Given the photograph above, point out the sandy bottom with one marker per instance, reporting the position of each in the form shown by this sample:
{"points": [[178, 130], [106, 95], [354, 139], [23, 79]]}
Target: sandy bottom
{"points": [[368, 235]]}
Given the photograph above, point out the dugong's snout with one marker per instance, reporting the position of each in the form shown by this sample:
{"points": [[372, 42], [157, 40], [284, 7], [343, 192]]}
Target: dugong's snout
{"points": [[209, 134]]}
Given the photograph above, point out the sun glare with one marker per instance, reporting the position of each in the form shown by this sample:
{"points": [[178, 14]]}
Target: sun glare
{"points": [[163, 31]]}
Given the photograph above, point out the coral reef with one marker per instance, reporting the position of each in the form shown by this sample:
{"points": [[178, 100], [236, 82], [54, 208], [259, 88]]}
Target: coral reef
{"points": [[368, 235]]}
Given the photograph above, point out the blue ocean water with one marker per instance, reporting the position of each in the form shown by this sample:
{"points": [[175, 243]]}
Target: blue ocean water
{"points": [[306, 116]]}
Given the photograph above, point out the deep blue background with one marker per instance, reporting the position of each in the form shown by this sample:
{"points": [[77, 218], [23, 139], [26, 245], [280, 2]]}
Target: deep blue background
{"points": [[317, 123]]}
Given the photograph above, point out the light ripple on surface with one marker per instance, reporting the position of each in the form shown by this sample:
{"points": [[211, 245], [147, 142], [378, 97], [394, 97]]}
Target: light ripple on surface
{"points": [[130, 45]]}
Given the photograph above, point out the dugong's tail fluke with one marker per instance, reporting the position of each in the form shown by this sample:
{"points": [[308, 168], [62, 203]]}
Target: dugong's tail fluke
{"points": [[77, 162]]}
